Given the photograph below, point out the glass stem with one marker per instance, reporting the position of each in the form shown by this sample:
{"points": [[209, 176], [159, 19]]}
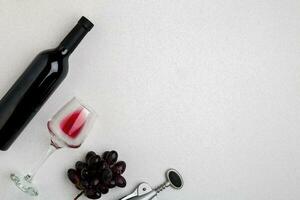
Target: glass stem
{"points": [[38, 165]]}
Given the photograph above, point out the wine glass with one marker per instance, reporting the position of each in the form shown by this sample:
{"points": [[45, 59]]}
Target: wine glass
{"points": [[68, 129]]}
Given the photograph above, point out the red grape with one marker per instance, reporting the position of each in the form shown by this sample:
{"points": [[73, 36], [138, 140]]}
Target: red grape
{"points": [[103, 165], [73, 176], [92, 194], [119, 168], [103, 189], [104, 155], [88, 155], [85, 174], [80, 165], [112, 183], [95, 181], [93, 172], [120, 181], [112, 157], [94, 160], [106, 176]]}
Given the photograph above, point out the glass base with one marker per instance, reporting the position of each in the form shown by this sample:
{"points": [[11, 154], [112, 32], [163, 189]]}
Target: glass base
{"points": [[24, 184]]}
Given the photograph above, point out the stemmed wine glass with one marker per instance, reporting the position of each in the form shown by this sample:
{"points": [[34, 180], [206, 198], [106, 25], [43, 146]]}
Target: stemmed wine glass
{"points": [[68, 129]]}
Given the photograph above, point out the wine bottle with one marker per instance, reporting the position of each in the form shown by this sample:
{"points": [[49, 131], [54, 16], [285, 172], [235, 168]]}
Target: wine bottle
{"points": [[31, 90]]}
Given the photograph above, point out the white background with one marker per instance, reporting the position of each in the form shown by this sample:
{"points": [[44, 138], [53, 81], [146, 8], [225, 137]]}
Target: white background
{"points": [[209, 87]]}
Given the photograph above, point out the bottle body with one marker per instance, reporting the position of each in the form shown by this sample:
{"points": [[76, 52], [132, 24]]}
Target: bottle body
{"points": [[25, 98], [32, 89]]}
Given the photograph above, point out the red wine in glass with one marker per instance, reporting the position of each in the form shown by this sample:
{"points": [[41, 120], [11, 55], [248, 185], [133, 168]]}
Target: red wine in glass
{"points": [[72, 124], [68, 128]]}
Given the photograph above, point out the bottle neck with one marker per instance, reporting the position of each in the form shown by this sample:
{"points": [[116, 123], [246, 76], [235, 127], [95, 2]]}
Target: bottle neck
{"points": [[71, 41]]}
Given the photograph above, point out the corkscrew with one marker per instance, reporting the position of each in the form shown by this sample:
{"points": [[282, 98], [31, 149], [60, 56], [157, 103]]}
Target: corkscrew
{"points": [[145, 192]]}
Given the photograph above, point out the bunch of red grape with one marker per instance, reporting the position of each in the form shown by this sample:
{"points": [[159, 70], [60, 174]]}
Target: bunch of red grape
{"points": [[97, 175]]}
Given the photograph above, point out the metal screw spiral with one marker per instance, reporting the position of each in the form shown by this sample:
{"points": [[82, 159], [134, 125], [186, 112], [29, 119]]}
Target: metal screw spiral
{"points": [[162, 187]]}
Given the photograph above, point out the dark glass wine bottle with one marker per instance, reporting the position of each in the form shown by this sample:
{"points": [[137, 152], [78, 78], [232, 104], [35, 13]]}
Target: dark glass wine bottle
{"points": [[25, 98]]}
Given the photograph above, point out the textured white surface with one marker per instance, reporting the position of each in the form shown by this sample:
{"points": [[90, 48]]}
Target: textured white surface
{"points": [[209, 87]]}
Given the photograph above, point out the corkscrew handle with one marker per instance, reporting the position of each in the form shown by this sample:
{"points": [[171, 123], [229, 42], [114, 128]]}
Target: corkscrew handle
{"points": [[145, 192], [148, 196], [142, 192]]}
